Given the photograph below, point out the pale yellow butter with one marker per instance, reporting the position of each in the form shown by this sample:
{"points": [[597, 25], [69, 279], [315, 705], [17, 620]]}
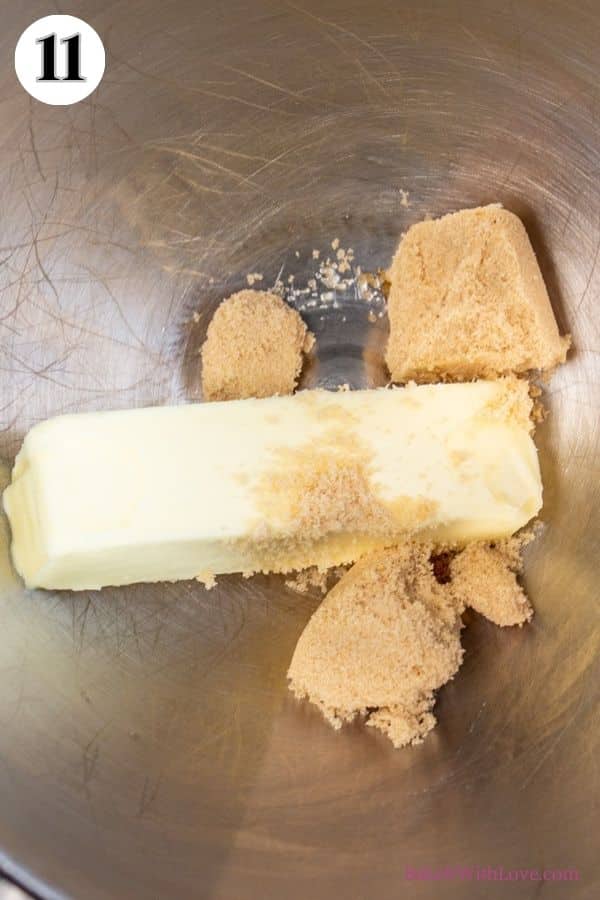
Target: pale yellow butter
{"points": [[167, 493]]}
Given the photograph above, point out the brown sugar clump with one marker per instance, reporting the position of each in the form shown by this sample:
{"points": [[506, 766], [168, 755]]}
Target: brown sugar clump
{"points": [[383, 640], [254, 348], [467, 300], [484, 577]]}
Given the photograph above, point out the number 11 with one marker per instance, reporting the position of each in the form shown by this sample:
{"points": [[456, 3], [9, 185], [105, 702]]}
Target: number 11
{"points": [[49, 58]]}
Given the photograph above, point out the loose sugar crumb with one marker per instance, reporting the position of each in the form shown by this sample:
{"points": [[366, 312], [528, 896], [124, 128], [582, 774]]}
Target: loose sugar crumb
{"points": [[337, 276], [253, 277], [254, 347], [314, 578], [539, 411], [207, 579]]}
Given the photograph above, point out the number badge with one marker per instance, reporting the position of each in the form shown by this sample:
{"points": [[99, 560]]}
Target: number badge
{"points": [[59, 60]]}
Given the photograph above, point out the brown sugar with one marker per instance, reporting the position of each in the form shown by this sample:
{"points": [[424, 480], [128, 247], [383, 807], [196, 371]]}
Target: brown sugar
{"points": [[467, 300], [313, 578], [322, 504], [326, 510], [383, 640], [387, 635], [254, 348], [484, 577]]}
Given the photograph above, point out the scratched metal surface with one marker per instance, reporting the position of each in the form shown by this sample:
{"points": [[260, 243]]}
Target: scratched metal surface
{"points": [[148, 746]]}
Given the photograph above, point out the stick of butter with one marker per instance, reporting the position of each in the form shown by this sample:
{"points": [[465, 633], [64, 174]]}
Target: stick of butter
{"points": [[318, 478]]}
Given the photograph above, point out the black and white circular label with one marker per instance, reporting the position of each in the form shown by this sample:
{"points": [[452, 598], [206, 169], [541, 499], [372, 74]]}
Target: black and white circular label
{"points": [[59, 60]]}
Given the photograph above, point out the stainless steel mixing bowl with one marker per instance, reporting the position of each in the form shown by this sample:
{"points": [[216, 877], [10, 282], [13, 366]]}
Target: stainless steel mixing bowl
{"points": [[148, 745]]}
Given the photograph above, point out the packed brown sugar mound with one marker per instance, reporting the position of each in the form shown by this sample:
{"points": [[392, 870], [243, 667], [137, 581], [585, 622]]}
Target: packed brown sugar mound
{"points": [[383, 640], [467, 300], [254, 347]]}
